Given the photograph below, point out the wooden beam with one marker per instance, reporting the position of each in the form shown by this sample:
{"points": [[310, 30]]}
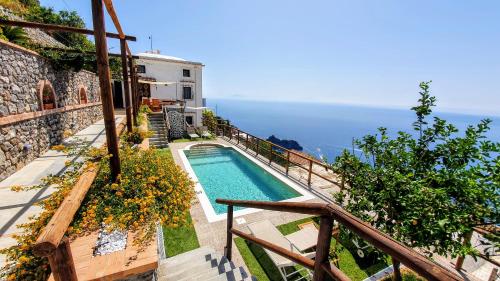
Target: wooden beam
{"points": [[49, 239], [62, 28], [407, 256], [105, 85], [116, 22], [292, 207], [73, 51], [126, 86]]}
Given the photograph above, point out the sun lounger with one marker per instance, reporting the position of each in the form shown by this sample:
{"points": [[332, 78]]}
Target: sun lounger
{"points": [[203, 130], [192, 133], [267, 231], [304, 239]]}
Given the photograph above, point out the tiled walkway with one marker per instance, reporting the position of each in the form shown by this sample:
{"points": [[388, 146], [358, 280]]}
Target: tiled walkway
{"points": [[214, 234], [17, 207]]}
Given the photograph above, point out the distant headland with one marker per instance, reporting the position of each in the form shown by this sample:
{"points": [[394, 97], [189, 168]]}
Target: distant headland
{"points": [[289, 144]]}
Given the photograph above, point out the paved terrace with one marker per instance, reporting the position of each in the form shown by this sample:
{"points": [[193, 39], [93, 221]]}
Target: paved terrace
{"points": [[17, 207], [214, 234]]}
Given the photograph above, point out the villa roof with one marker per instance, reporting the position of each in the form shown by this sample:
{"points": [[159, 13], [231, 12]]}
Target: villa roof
{"points": [[166, 58]]}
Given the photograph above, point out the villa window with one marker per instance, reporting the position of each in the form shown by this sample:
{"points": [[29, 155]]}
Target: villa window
{"points": [[186, 73], [83, 95], [141, 68], [187, 94], [47, 95], [189, 120]]}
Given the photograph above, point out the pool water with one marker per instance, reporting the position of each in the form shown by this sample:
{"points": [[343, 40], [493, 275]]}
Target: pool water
{"points": [[225, 173]]}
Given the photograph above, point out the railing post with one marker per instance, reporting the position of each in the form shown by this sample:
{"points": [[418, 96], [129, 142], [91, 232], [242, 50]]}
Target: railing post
{"points": [[396, 265], [270, 153], [323, 248], [61, 262], [493, 274], [287, 161], [246, 141], [310, 172], [460, 260], [229, 242], [238, 138]]}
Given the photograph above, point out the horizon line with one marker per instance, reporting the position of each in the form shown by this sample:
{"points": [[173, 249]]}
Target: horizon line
{"points": [[459, 111]]}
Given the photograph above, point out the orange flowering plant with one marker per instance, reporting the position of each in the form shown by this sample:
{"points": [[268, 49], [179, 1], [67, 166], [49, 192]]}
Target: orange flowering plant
{"points": [[150, 189]]}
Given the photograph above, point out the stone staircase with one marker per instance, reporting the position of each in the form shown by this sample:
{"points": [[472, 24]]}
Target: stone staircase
{"points": [[201, 264], [157, 127]]}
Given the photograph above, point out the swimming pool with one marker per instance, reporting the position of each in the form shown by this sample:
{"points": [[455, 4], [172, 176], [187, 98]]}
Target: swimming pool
{"points": [[224, 172]]}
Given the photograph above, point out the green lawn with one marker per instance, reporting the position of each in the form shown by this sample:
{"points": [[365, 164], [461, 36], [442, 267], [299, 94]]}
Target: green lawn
{"points": [[165, 151], [180, 239], [262, 267], [184, 140]]}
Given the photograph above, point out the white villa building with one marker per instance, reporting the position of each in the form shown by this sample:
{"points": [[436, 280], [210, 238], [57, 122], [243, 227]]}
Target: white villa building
{"points": [[172, 80]]}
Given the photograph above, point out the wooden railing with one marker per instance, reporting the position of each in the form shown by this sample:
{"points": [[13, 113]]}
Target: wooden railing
{"points": [[328, 213], [253, 142], [52, 242]]}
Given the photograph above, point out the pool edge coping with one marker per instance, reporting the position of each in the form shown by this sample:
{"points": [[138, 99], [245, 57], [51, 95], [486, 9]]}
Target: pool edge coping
{"points": [[207, 207]]}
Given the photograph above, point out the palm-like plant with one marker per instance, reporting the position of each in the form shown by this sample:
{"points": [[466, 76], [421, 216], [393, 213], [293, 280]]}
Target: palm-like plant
{"points": [[15, 34]]}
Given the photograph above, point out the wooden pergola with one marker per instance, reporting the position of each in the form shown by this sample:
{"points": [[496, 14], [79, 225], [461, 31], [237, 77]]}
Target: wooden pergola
{"points": [[52, 243], [102, 58]]}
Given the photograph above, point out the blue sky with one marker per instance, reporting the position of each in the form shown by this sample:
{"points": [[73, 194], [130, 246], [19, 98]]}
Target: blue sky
{"points": [[356, 52]]}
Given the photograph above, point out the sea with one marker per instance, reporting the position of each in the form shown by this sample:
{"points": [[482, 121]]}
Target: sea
{"points": [[325, 130]]}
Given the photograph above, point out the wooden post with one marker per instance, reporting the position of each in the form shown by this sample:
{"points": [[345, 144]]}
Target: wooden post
{"points": [[396, 265], [133, 86], [270, 153], [460, 260], [126, 86], [310, 172], [229, 241], [61, 262], [493, 275], [247, 141], [287, 161], [323, 248], [238, 138], [105, 85]]}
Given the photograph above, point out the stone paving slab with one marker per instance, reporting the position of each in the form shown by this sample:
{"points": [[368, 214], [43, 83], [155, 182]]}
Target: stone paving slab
{"points": [[17, 207]]}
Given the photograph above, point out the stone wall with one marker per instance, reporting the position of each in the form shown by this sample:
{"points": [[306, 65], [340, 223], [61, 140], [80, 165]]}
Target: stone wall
{"points": [[176, 120], [27, 131]]}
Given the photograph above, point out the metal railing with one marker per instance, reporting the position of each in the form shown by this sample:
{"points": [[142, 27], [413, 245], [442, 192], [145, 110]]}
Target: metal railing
{"points": [[328, 213], [274, 152]]}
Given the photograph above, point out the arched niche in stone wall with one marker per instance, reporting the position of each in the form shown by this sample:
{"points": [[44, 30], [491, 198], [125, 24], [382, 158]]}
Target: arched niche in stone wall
{"points": [[46, 95], [82, 94]]}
